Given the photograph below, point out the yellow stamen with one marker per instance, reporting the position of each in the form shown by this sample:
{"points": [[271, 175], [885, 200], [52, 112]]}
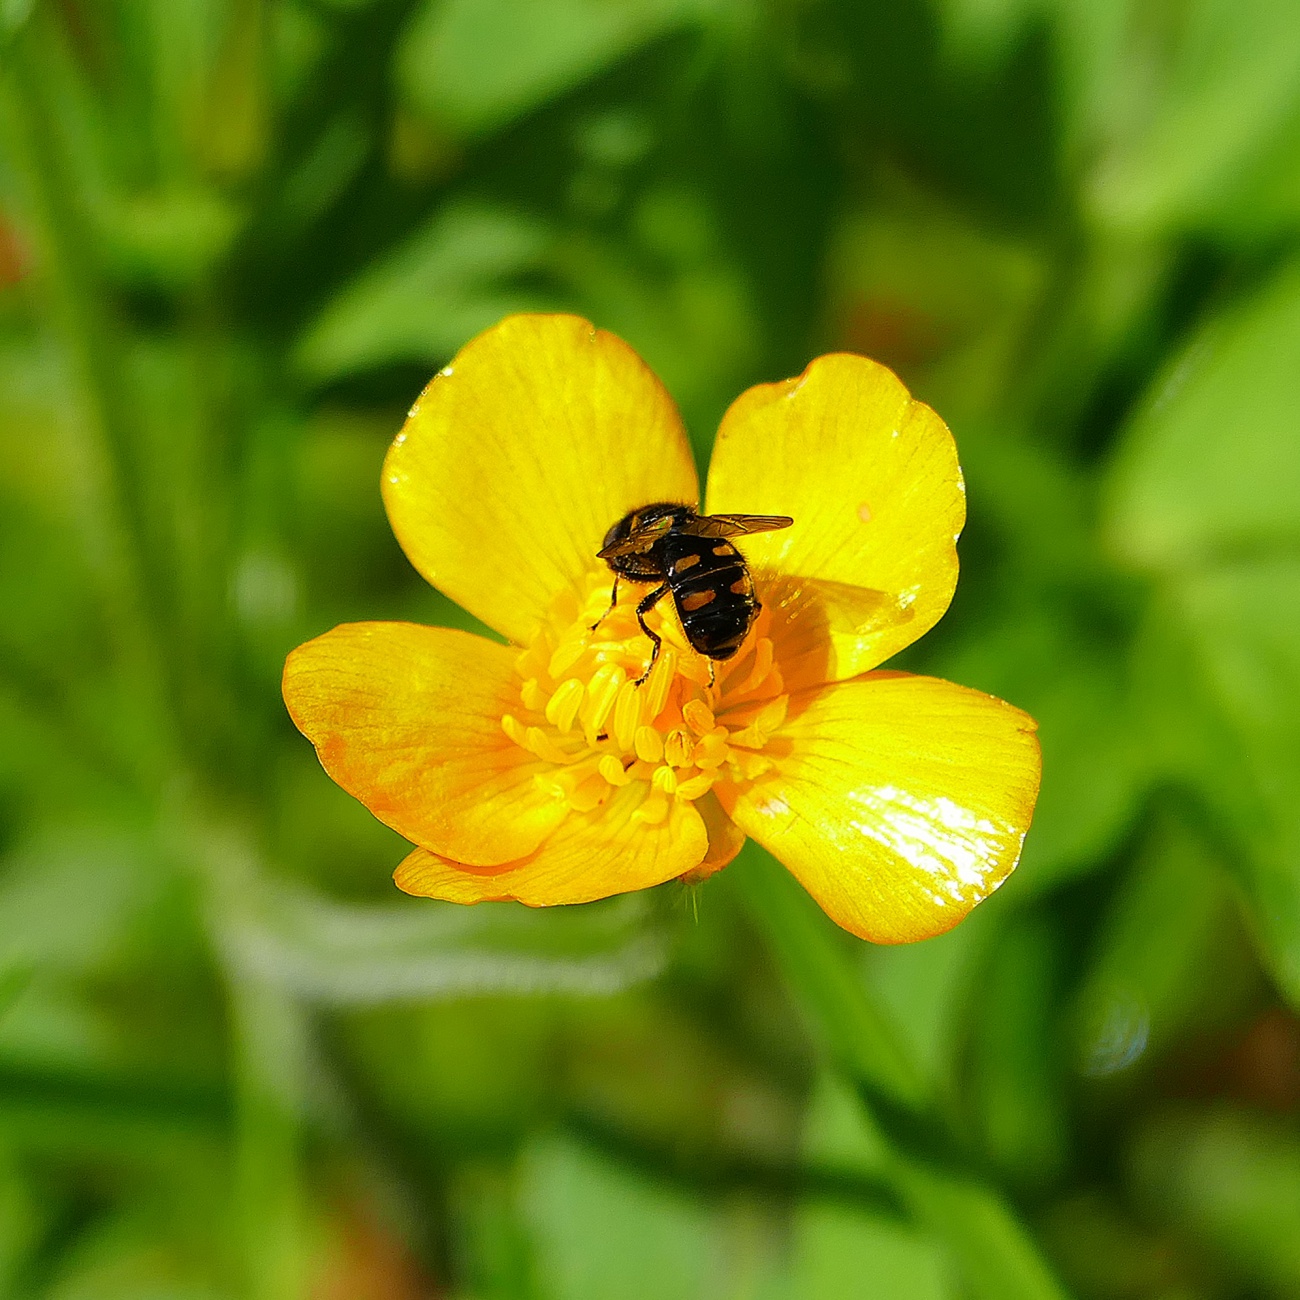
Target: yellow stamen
{"points": [[658, 683], [696, 786], [699, 717], [544, 747], [710, 750], [649, 744], [613, 771], [665, 780], [772, 716], [627, 714], [678, 748], [562, 707], [567, 653], [763, 655], [674, 736], [766, 721], [695, 668], [602, 691]]}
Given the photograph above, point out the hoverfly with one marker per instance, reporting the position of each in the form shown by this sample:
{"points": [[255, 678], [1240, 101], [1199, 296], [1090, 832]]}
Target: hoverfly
{"points": [[688, 555]]}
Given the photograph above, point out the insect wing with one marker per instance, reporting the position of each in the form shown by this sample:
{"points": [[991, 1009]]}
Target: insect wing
{"points": [[736, 525], [641, 538]]}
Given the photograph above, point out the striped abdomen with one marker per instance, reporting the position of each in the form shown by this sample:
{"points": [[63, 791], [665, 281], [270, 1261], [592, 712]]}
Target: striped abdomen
{"points": [[713, 592]]}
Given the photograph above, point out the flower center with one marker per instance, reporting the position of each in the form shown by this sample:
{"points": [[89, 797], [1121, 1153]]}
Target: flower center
{"points": [[692, 723]]}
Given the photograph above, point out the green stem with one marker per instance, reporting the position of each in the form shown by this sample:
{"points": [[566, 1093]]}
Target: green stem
{"points": [[933, 1177]]}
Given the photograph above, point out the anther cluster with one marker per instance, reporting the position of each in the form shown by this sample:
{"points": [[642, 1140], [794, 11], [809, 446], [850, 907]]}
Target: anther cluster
{"points": [[678, 734]]}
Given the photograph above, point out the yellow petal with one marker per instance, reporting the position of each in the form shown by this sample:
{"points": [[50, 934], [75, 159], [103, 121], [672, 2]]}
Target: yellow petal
{"points": [[871, 479], [899, 802], [822, 630], [520, 455], [408, 719], [591, 855], [726, 839]]}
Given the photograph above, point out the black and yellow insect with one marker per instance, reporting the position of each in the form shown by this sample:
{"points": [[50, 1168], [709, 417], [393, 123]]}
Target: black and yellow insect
{"points": [[688, 555]]}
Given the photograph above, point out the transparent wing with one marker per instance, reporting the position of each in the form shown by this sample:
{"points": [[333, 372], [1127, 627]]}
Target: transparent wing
{"points": [[736, 525], [641, 538], [628, 546]]}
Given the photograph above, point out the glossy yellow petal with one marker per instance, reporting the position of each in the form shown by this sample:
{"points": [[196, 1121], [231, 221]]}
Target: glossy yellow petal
{"points": [[899, 802], [610, 850], [408, 719], [871, 478], [519, 456]]}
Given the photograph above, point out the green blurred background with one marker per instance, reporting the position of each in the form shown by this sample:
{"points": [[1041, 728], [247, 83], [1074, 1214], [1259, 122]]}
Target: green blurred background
{"points": [[236, 237]]}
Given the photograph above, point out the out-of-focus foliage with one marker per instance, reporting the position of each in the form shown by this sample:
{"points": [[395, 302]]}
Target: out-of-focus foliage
{"points": [[236, 236]]}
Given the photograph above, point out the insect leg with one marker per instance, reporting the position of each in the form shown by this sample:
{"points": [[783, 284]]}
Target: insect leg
{"points": [[646, 605], [613, 600]]}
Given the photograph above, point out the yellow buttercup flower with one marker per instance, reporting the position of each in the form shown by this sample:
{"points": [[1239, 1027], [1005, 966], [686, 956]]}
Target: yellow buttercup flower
{"points": [[541, 771]]}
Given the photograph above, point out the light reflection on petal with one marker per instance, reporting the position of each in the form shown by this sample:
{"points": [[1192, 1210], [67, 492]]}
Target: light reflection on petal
{"points": [[937, 835], [898, 801]]}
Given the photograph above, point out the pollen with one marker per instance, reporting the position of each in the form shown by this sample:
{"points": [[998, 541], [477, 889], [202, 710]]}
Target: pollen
{"points": [[689, 725]]}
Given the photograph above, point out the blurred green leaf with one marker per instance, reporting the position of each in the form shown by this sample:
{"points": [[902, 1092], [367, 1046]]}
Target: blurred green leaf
{"points": [[460, 1076], [329, 167], [838, 1135], [1215, 674], [297, 41], [925, 987], [650, 1073], [1230, 1181], [493, 1252], [274, 1079], [127, 110], [1015, 1054], [420, 303], [1221, 84], [1163, 964], [13, 14], [123, 1259], [916, 283], [167, 237], [20, 1224], [148, 1275], [1265, 200], [983, 33], [1211, 464], [602, 1231], [1245, 625], [476, 64], [73, 899], [839, 1253], [1106, 1254]]}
